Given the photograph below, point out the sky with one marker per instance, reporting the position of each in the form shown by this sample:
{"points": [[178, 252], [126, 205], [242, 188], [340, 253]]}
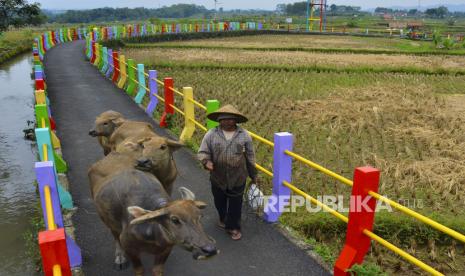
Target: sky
{"points": [[231, 4]]}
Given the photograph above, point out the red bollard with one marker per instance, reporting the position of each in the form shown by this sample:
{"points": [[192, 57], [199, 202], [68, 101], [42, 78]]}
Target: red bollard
{"points": [[53, 249], [169, 101], [162, 28], [40, 84], [357, 244], [52, 123], [92, 59], [173, 28], [115, 76]]}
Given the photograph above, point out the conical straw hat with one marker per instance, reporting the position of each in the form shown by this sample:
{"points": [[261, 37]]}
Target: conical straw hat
{"points": [[228, 110]]}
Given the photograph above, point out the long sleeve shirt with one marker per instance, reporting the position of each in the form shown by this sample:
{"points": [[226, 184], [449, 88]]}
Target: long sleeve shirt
{"points": [[233, 160]]}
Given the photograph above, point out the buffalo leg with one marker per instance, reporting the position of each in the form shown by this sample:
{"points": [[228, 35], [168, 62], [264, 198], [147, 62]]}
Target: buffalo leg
{"points": [[160, 260], [136, 262], [121, 262]]}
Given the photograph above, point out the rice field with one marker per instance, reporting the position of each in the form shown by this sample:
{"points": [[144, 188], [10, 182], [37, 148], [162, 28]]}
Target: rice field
{"points": [[296, 59], [313, 42], [410, 126]]}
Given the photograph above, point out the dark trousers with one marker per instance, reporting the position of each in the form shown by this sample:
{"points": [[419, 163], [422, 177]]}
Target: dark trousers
{"points": [[229, 206]]}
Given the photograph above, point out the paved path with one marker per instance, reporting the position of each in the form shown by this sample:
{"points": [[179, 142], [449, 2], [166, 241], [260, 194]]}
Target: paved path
{"points": [[78, 93]]}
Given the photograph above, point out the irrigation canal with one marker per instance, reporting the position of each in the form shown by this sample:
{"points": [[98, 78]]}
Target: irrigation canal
{"points": [[18, 198]]}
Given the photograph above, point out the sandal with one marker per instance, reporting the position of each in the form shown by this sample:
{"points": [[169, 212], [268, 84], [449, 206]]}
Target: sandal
{"points": [[221, 224], [235, 234]]}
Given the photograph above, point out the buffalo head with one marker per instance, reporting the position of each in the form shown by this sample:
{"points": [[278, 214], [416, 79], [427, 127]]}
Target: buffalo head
{"points": [[179, 222], [157, 152], [106, 123]]}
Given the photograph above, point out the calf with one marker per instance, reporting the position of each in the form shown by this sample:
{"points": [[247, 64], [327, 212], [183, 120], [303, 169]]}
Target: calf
{"points": [[105, 124]]}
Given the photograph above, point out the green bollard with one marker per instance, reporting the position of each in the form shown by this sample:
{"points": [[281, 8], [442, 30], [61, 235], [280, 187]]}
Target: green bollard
{"points": [[212, 106], [131, 88]]}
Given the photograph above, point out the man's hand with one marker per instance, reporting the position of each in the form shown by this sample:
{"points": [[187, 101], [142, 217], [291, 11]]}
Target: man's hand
{"points": [[209, 165]]}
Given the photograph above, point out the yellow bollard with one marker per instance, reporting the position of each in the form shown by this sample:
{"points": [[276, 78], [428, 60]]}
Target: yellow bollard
{"points": [[189, 116], [40, 96], [55, 141], [123, 74]]}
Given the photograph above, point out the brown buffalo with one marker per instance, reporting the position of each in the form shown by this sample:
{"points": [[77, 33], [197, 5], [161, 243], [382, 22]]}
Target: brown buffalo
{"points": [[105, 124], [131, 129], [143, 218], [152, 154]]}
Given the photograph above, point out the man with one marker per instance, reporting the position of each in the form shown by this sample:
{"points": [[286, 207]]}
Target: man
{"points": [[227, 152]]}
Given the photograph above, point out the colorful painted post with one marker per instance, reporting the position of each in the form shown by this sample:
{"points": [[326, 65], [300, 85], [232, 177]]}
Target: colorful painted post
{"points": [[189, 116], [169, 101], [122, 66], [116, 69], [153, 90], [212, 106], [92, 52], [282, 171], [54, 252], [141, 79], [45, 174], [131, 88], [361, 216], [103, 65], [97, 54], [40, 97], [43, 138], [109, 63]]}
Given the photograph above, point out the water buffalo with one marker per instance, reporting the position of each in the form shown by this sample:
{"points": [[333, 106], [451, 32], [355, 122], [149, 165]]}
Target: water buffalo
{"points": [[131, 129], [151, 154], [105, 124], [143, 218]]}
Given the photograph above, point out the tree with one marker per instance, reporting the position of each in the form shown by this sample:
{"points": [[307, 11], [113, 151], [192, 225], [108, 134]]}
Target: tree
{"points": [[440, 12], [19, 13]]}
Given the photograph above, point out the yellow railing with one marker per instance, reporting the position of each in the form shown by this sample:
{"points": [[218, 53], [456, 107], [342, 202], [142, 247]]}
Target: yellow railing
{"points": [[338, 177]]}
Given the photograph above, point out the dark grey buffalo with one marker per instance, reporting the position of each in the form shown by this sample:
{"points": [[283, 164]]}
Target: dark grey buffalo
{"points": [[143, 218]]}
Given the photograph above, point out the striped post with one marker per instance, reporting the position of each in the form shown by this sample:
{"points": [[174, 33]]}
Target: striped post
{"points": [[189, 116], [212, 106], [153, 90], [109, 63], [282, 171], [131, 88], [96, 54], [141, 79], [116, 68], [361, 216], [122, 66], [169, 101]]}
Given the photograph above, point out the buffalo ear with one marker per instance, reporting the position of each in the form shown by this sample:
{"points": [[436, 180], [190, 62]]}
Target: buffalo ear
{"points": [[145, 139], [186, 194], [118, 121], [149, 215], [174, 145], [200, 204], [136, 211]]}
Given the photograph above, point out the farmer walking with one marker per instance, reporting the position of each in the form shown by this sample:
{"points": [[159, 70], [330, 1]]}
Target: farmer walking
{"points": [[227, 152]]}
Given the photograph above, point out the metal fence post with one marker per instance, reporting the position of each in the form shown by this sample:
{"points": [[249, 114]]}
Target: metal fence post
{"points": [[361, 216], [189, 115], [212, 106], [282, 171], [153, 90], [141, 79]]}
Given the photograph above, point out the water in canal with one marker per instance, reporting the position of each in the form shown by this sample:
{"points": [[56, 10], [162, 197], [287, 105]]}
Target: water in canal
{"points": [[17, 155]]}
